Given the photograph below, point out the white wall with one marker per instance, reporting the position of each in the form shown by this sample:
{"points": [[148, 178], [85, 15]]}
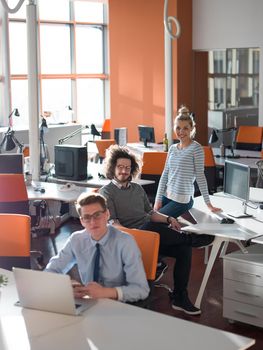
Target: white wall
{"points": [[54, 133], [221, 24]]}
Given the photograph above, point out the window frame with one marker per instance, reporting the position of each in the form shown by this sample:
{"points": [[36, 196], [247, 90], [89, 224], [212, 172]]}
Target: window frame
{"points": [[73, 76]]}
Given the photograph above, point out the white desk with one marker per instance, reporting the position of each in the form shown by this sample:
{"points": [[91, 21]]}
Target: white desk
{"points": [[243, 229], [55, 192], [246, 157], [256, 194], [107, 325], [258, 240], [139, 148], [94, 169]]}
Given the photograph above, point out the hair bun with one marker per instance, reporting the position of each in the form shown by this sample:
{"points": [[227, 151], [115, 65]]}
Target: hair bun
{"points": [[183, 111]]}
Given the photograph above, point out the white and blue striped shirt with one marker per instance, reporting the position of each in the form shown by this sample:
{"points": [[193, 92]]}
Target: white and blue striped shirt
{"points": [[182, 168]]}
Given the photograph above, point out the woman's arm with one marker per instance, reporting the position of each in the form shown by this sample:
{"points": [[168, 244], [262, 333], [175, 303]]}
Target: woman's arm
{"points": [[200, 177]]}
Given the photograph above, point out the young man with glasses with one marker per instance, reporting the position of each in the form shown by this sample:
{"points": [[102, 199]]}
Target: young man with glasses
{"points": [[129, 206], [108, 260]]}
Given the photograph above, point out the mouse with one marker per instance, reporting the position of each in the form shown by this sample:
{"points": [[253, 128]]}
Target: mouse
{"points": [[227, 221]]}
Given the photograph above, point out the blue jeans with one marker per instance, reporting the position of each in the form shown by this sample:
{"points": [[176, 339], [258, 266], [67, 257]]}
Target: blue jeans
{"points": [[174, 209]]}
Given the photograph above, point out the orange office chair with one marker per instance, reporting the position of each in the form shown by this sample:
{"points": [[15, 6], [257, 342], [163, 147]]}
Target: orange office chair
{"points": [[152, 168], [13, 194], [212, 177], [102, 146], [148, 243], [14, 200], [210, 169], [249, 137], [14, 241], [25, 151], [106, 129]]}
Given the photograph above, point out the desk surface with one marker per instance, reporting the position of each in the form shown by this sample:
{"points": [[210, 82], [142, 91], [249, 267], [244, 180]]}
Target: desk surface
{"points": [[55, 191], [258, 240], [243, 229], [139, 148], [96, 182], [107, 325], [246, 157]]}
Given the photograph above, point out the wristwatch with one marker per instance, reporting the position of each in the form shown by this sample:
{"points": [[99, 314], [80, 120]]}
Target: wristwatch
{"points": [[169, 220]]}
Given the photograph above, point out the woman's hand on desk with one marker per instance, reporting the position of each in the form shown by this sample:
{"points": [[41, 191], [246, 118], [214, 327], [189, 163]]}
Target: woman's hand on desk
{"points": [[212, 208]]}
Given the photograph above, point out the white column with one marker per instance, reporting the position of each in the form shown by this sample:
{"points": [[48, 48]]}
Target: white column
{"points": [[33, 89], [5, 106], [168, 70]]}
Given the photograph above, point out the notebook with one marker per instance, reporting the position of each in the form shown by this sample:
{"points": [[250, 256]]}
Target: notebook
{"points": [[48, 291]]}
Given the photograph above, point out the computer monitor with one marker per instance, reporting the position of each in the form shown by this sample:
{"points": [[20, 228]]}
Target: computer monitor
{"points": [[120, 136], [236, 183], [11, 163], [146, 134], [71, 162]]}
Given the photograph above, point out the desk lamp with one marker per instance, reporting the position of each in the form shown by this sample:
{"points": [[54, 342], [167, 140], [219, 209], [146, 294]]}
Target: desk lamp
{"points": [[9, 141], [43, 147], [214, 138], [94, 131]]}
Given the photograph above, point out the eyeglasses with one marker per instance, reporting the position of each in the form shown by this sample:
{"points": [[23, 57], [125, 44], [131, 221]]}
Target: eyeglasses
{"points": [[122, 167], [95, 216]]}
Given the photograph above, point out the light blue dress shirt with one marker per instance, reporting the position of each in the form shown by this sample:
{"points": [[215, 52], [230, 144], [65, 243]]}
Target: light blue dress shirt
{"points": [[120, 262]]}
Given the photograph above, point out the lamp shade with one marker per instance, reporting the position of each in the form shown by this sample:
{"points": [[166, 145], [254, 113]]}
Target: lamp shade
{"points": [[16, 112], [213, 137], [9, 143], [94, 131]]}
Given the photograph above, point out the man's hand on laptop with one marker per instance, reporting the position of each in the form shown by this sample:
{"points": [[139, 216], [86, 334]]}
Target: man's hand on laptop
{"points": [[94, 290]]}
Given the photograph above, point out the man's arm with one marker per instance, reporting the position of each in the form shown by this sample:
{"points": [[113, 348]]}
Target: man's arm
{"points": [[63, 261], [159, 217]]}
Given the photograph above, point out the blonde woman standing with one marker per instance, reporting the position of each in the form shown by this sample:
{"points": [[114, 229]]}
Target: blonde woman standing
{"points": [[184, 165]]}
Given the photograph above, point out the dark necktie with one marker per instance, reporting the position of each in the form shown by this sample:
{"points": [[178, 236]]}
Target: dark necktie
{"points": [[96, 271]]}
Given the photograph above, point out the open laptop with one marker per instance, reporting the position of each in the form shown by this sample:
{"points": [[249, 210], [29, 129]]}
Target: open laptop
{"points": [[48, 291]]}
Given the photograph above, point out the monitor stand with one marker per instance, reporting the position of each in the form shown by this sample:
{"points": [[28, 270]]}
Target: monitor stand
{"points": [[145, 144]]}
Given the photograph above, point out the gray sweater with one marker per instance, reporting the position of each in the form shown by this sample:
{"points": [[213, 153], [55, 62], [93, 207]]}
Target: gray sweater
{"points": [[130, 205]]}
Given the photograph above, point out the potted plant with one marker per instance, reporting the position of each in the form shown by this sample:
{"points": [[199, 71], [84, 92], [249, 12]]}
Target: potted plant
{"points": [[3, 280]]}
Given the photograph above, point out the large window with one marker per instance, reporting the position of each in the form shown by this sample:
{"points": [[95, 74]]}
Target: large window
{"points": [[233, 78], [72, 68]]}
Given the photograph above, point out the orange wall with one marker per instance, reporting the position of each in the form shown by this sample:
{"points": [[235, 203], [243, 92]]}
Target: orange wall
{"points": [[136, 36]]}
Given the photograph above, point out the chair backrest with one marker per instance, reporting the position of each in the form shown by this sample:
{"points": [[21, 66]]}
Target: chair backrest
{"points": [[13, 194], [14, 241], [209, 156], [106, 129], [11, 163], [153, 165], [26, 151], [249, 137], [210, 169], [103, 145], [148, 243]]}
